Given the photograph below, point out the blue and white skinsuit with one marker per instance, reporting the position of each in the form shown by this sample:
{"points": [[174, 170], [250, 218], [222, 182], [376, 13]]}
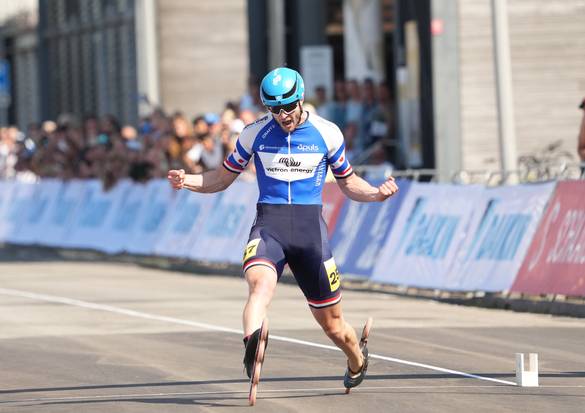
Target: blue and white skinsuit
{"points": [[289, 227]]}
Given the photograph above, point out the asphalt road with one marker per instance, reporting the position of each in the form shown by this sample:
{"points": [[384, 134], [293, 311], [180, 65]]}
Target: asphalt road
{"points": [[98, 337]]}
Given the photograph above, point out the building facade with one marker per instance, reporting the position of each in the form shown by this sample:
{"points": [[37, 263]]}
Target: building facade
{"points": [[126, 57], [437, 56], [547, 55]]}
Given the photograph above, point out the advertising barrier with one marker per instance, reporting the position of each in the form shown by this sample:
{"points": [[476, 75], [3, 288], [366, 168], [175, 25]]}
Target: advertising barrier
{"points": [[362, 230], [64, 204], [14, 209], [120, 225], [152, 217], [226, 230], [465, 238], [431, 226], [34, 212], [555, 263], [524, 238], [5, 199], [501, 230], [88, 229], [190, 213], [333, 201]]}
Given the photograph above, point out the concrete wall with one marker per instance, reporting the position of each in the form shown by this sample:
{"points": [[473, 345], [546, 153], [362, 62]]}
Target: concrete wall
{"points": [[203, 53], [9, 8], [446, 92], [547, 40]]}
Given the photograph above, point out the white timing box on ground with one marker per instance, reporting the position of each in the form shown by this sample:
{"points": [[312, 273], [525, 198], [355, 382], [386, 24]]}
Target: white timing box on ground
{"points": [[527, 377]]}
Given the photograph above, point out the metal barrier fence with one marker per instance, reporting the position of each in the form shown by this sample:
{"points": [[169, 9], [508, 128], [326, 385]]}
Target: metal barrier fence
{"points": [[88, 55], [540, 173]]}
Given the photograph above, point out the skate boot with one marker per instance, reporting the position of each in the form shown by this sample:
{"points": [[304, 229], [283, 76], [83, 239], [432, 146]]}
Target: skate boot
{"points": [[251, 344], [354, 378]]}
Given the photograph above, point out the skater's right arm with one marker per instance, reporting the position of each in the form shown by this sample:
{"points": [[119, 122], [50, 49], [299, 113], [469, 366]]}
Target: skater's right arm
{"points": [[211, 181], [219, 179]]}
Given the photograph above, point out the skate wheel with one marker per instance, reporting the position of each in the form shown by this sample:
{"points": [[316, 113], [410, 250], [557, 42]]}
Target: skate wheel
{"points": [[366, 331], [264, 335], [256, 376], [252, 396], [260, 352], [262, 342]]}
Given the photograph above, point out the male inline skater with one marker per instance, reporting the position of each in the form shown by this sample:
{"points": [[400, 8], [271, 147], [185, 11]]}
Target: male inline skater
{"points": [[292, 150]]}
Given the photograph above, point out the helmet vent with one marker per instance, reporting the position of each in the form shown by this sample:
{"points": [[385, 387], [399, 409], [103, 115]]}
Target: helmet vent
{"points": [[288, 94]]}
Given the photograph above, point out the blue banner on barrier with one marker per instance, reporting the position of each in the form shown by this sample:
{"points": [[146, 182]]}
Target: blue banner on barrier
{"points": [[186, 219], [60, 215], [159, 198], [362, 230], [185, 226], [225, 219], [16, 213], [432, 224], [91, 228], [225, 233], [491, 256], [127, 212], [461, 237], [6, 188], [120, 225], [30, 225]]}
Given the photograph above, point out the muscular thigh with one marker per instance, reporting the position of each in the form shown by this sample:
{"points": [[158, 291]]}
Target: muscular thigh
{"points": [[263, 250], [313, 266]]}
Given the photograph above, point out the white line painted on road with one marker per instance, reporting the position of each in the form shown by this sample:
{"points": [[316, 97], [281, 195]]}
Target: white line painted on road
{"points": [[395, 360], [139, 314], [111, 309]]}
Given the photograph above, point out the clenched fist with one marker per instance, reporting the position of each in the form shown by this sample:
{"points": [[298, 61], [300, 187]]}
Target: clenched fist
{"points": [[176, 178], [388, 188]]}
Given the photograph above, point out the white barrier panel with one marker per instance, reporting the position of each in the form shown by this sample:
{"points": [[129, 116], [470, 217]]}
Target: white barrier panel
{"points": [[8, 214], [362, 230], [64, 203], [88, 227], [158, 207], [444, 236], [432, 224], [16, 205], [490, 259], [20, 202], [226, 230], [187, 221], [120, 225], [34, 209]]}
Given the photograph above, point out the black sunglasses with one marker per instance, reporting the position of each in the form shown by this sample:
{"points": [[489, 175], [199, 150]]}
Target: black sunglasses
{"points": [[288, 108]]}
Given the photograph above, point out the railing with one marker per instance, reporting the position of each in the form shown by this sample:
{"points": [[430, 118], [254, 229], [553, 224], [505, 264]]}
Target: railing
{"points": [[553, 170]]}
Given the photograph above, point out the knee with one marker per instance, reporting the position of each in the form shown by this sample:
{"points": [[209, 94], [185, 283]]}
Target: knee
{"points": [[261, 287], [333, 328], [263, 283]]}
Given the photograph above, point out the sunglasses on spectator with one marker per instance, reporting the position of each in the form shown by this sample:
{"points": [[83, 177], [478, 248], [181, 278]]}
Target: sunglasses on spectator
{"points": [[288, 108]]}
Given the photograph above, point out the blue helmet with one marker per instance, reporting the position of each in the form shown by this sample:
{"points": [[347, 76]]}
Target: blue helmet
{"points": [[282, 86]]}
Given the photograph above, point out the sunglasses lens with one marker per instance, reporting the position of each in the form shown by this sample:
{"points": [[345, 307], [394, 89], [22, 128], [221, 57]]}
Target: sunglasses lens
{"points": [[288, 108]]}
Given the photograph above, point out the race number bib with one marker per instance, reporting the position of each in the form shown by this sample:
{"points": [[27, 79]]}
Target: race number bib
{"points": [[332, 274], [251, 249]]}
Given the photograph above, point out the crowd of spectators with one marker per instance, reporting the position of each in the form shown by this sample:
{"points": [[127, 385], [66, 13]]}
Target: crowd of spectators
{"points": [[365, 114], [102, 148]]}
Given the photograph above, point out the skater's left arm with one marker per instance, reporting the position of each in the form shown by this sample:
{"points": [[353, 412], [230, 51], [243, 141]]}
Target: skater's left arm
{"points": [[357, 189]]}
